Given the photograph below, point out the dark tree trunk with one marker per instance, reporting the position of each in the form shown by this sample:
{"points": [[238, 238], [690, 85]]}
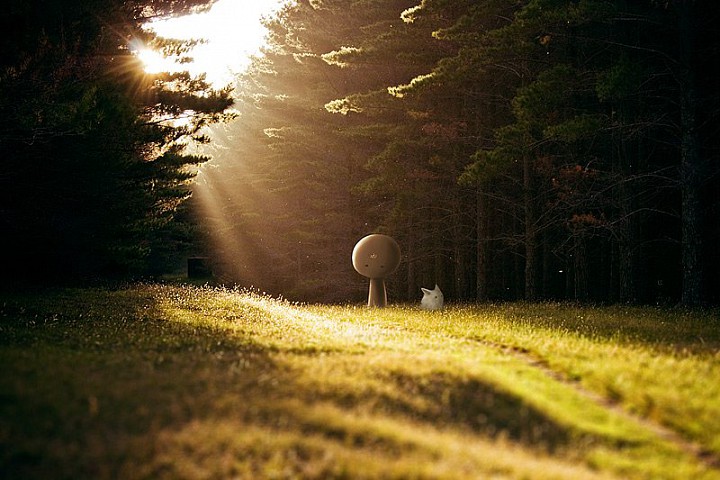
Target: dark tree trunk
{"points": [[481, 290], [690, 169], [460, 262], [628, 230], [626, 261], [580, 268], [530, 231], [409, 255]]}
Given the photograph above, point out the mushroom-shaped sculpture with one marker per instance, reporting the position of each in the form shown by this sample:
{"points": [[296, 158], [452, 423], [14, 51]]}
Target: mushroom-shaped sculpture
{"points": [[376, 256]]}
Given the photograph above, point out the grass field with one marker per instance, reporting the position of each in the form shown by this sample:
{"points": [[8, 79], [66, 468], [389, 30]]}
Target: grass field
{"points": [[178, 382]]}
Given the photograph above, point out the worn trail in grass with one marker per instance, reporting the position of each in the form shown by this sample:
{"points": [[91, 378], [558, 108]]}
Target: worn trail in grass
{"points": [[181, 382]]}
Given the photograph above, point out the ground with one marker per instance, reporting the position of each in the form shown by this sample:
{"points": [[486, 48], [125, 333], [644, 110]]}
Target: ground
{"points": [[170, 381]]}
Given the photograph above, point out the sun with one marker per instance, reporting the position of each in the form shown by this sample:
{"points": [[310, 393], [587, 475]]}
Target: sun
{"points": [[230, 33], [154, 61]]}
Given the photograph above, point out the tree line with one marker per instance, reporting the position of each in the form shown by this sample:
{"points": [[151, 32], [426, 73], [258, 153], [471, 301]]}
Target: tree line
{"points": [[528, 149], [534, 149], [95, 166]]}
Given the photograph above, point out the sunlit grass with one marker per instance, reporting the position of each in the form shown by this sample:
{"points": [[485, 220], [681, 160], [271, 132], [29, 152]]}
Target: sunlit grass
{"points": [[660, 364], [156, 381]]}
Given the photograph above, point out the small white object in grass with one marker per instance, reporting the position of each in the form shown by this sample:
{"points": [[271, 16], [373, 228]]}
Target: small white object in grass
{"points": [[432, 299]]}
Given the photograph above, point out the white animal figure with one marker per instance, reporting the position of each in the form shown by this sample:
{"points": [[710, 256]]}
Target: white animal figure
{"points": [[432, 299]]}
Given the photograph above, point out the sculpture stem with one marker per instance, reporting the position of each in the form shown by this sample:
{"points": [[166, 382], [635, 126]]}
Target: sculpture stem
{"points": [[377, 297]]}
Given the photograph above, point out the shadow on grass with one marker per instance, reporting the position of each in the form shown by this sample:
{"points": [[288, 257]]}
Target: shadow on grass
{"points": [[91, 378], [482, 408], [100, 384]]}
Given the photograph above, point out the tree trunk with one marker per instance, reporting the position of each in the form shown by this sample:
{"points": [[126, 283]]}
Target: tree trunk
{"points": [[691, 217], [481, 290], [530, 231], [460, 263], [409, 254], [626, 249], [690, 168], [580, 268], [628, 224]]}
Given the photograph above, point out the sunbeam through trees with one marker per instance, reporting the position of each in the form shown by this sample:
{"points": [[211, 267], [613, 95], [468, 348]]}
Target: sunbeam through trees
{"points": [[528, 150], [532, 150]]}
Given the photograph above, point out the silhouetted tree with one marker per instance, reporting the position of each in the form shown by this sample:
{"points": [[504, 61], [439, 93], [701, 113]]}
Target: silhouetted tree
{"points": [[94, 168]]}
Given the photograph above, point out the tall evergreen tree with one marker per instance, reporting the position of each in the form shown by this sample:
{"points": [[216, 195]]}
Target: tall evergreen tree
{"points": [[94, 168]]}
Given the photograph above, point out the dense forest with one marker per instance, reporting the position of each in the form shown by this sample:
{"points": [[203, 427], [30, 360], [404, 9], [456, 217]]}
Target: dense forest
{"points": [[529, 149], [95, 164], [523, 149]]}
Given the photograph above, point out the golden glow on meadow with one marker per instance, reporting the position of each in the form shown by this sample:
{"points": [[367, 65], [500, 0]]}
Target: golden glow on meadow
{"points": [[230, 33], [250, 386]]}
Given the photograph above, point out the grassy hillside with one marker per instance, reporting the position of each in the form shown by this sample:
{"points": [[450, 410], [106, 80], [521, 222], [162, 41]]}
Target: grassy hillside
{"points": [[183, 382]]}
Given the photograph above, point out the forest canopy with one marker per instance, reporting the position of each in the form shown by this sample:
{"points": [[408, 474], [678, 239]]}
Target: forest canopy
{"points": [[534, 149]]}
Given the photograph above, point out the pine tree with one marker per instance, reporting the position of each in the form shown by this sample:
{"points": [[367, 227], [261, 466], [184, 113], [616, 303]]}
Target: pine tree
{"points": [[92, 176]]}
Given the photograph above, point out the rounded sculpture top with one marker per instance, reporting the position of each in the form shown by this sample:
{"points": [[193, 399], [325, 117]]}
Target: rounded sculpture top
{"points": [[376, 256]]}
